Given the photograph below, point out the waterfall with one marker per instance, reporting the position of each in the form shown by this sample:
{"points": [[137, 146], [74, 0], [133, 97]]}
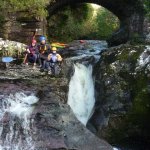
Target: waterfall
{"points": [[15, 122], [81, 93]]}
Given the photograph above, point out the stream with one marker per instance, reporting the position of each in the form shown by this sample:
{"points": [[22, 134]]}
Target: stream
{"points": [[16, 123]]}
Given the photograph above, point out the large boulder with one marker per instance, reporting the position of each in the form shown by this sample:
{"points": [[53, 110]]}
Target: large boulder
{"points": [[122, 89]]}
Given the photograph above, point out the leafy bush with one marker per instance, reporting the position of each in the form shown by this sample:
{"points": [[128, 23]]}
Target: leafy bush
{"points": [[70, 23], [107, 23], [78, 22], [33, 7]]}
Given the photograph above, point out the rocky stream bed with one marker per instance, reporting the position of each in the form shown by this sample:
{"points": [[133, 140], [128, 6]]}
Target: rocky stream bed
{"points": [[122, 87]]}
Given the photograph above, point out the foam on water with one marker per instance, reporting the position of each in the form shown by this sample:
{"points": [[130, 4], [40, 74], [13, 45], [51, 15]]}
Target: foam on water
{"points": [[19, 108], [95, 47], [114, 148], [20, 104], [81, 93]]}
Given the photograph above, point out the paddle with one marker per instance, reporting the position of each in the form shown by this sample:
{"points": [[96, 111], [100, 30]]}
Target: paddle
{"points": [[7, 59], [59, 45]]}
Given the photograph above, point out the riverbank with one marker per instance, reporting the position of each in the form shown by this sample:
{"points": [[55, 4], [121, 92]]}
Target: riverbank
{"points": [[53, 125], [121, 85]]}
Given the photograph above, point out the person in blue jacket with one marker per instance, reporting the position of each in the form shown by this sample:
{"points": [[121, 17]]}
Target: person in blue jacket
{"points": [[44, 50]]}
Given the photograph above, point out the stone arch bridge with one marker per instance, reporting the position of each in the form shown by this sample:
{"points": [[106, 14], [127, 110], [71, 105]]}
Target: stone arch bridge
{"points": [[130, 13], [133, 23]]}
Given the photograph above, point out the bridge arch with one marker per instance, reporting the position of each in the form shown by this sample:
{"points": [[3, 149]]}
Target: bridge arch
{"points": [[130, 13]]}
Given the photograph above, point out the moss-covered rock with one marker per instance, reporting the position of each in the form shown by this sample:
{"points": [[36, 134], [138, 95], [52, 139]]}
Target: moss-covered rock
{"points": [[122, 94]]}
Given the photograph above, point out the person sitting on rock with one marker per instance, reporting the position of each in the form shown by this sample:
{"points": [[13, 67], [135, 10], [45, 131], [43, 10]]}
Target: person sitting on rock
{"points": [[44, 51], [31, 53], [52, 59]]}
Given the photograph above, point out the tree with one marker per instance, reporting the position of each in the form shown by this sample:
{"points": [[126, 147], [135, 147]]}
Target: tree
{"points": [[69, 23], [107, 23], [33, 7]]}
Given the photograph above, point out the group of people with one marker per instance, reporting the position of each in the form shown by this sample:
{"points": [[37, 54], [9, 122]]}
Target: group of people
{"points": [[43, 54]]}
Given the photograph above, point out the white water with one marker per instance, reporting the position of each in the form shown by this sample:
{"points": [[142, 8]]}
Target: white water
{"points": [[94, 45], [19, 109], [81, 93]]}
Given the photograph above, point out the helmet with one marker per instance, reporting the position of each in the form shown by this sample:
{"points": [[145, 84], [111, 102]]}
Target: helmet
{"points": [[33, 41], [54, 49], [42, 38]]}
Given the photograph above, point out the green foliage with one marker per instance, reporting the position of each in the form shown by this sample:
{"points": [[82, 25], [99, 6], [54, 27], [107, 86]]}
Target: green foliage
{"points": [[78, 22], [70, 23], [33, 7], [107, 23], [147, 7], [81, 12], [2, 19]]}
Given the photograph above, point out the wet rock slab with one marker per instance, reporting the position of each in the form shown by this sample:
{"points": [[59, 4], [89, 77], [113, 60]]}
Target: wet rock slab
{"points": [[54, 125]]}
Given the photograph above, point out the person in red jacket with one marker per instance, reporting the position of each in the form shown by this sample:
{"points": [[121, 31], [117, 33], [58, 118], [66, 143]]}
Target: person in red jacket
{"points": [[31, 53]]}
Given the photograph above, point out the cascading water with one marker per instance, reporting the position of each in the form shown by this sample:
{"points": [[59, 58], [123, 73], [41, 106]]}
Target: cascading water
{"points": [[15, 122], [81, 87], [81, 92]]}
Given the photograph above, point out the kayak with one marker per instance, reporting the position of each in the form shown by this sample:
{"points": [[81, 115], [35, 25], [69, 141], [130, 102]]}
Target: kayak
{"points": [[7, 59], [82, 41], [59, 45]]}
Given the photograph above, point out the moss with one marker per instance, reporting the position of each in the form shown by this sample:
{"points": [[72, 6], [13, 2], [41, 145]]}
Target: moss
{"points": [[135, 125], [133, 128], [109, 70], [108, 59], [126, 54]]}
